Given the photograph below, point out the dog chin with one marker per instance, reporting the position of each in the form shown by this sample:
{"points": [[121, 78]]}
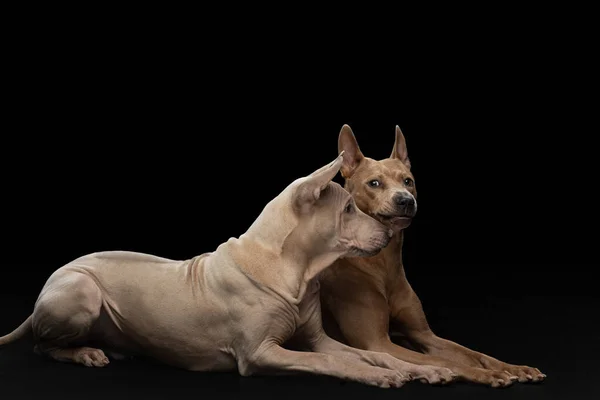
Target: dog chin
{"points": [[397, 223]]}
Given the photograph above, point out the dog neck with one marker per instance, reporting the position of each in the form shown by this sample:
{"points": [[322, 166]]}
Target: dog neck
{"points": [[272, 254], [306, 266], [392, 253]]}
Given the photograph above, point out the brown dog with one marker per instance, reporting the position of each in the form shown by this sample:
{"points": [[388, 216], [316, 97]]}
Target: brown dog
{"points": [[360, 296]]}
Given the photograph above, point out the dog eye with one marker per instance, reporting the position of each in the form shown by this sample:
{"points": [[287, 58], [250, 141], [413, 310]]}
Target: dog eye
{"points": [[408, 182], [374, 183], [348, 208]]}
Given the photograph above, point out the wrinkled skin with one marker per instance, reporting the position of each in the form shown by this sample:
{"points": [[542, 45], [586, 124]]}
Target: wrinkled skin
{"points": [[234, 308]]}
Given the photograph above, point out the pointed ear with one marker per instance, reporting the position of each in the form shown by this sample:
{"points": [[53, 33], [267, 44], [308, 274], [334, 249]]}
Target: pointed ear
{"points": [[352, 154], [399, 151], [308, 192]]}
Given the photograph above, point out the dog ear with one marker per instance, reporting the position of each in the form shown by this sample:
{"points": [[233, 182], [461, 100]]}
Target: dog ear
{"points": [[399, 151], [349, 146], [309, 191]]}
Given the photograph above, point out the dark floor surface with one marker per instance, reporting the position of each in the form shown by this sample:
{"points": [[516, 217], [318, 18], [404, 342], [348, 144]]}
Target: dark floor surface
{"points": [[556, 334]]}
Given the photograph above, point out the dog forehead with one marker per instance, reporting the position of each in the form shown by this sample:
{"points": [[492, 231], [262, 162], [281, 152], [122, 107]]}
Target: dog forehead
{"points": [[388, 167], [368, 166], [394, 168]]}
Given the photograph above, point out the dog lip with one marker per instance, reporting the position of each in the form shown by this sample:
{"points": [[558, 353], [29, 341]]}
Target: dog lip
{"points": [[365, 253], [395, 216], [396, 222]]}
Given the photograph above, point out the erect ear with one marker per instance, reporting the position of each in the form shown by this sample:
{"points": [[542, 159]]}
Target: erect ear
{"points": [[309, 191], [352, 154], [399, 151]]}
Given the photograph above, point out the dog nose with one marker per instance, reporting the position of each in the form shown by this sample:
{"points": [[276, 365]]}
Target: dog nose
{"points": [[404, 201]]}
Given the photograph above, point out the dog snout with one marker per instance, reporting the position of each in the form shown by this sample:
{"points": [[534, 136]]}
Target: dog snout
{"points": [[405, 202], [379, 236]]}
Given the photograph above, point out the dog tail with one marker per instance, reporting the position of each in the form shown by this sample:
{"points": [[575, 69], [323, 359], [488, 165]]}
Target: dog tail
{"points": [[18, 333]]}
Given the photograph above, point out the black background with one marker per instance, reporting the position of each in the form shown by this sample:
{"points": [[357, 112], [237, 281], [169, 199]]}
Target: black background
{"points": [[169, 146]]}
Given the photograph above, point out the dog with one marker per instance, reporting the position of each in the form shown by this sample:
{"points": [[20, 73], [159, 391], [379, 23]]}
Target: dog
{"points": [[234, 308], [360, 296]]}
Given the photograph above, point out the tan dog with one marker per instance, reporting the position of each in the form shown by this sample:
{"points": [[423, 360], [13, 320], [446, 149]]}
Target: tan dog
{"points": [[361, 295], [230, 309]]}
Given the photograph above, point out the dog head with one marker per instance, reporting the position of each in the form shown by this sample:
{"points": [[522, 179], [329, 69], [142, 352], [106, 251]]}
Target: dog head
{"points": [[328, 219], [384, 189]]}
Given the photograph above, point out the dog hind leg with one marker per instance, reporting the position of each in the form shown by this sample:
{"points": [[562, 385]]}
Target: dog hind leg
{"points": [[63, 316]]}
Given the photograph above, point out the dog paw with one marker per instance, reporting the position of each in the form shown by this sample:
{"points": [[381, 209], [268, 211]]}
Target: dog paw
{"points": [[433, 375], [524, 373], [498, 379], [91, 357], [387, 379]]}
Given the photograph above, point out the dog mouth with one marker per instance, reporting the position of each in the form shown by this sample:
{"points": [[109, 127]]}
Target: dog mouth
{"points": [[394, 218], [374, 248], [396, 222]]}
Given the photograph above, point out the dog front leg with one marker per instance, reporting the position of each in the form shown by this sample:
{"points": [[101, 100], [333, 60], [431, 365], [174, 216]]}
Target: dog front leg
{"points": [[312, 335], [447, 349], [366, 328], [273, 359], [406, 309], [425, 373]]}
